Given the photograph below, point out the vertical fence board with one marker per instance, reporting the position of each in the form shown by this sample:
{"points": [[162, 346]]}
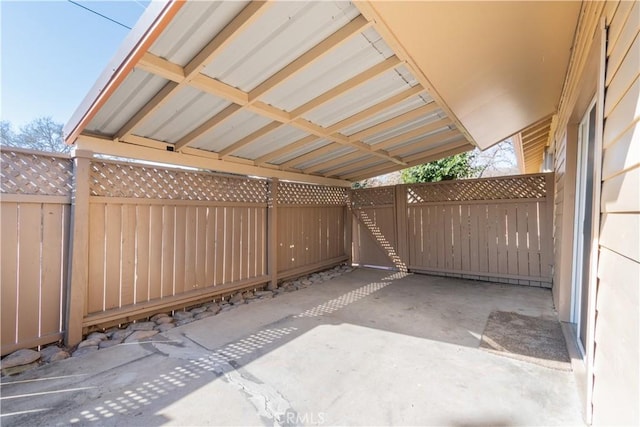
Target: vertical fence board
{"points": [[155, 252], [190, 242], [142, 233], [128, 255], [512, 247], [210, 247], [534, 239], [220, 246], [9, 272], [113, 256], [201, 247], [168, 248], [52, 260], [523, 239], [97, 242], [29, 238], [180, 247]]}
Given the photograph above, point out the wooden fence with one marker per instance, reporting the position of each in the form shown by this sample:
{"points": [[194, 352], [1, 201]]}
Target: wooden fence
{"points": [[498, 229], [35, 203], [144, 238]]}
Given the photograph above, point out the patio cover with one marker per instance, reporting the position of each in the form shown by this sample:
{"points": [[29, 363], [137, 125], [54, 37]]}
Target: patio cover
{"points": [[325, 92]]}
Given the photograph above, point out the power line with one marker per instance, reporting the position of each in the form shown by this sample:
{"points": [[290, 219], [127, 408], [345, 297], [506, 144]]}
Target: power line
{"points": [[99, 14]]}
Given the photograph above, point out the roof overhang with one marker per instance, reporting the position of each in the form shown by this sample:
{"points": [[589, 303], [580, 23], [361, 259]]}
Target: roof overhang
{"points": [[326, 92], [499, 66]]}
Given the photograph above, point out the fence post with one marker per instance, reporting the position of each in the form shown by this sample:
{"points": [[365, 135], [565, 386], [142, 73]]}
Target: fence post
{"points": [[272, 233], [78, 249], [348, 233], [401, 224]]}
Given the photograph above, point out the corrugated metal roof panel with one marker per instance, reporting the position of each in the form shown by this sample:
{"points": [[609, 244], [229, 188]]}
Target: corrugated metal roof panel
{"points": [[360, 168], [397, 110], [337, 153], [272, 141], [348, 60], [285, 31], [349, 161], [193, 27], [422, 148], [185, 111], [300, 152], [361, 98], [231, 130], [405, 127], [136, 90], [415, 139]]}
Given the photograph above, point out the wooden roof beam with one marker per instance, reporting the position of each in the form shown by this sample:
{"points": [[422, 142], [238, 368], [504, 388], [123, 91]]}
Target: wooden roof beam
{"points": [[334, 163], [286, 149], [395, 121], [433, 139], [354, 166], [346, 86], [333, 146], [414, 160], [375, 109], [353, 28], [430, 127], [207, 126], [224, 153], [248, 15]]}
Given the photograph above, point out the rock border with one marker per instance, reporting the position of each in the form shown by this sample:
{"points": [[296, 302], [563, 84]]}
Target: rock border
{"points": [[26, 359]]}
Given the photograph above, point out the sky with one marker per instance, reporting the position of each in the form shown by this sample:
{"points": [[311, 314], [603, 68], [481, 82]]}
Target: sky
{"points": [[52, 52]]}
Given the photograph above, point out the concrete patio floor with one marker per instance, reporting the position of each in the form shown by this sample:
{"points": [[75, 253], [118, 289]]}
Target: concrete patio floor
{"points": [[368, 348]]}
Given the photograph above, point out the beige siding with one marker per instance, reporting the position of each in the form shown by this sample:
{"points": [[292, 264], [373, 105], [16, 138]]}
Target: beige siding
{"points": [[616, 389]]}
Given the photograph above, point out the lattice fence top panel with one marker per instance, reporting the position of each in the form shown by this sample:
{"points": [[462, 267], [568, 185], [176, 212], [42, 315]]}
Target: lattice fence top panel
{"points": [[292, 193], [36, 174], [373, 197], [148, 182], [512, 188]]}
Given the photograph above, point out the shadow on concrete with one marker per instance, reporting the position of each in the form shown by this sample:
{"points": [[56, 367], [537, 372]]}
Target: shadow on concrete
{"points": [[140, 384]]}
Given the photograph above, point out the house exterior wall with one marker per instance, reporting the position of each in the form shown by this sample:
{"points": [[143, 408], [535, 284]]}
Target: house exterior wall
{"points": [[612, 368]]}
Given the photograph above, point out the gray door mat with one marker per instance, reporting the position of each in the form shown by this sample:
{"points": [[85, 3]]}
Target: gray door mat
{"points": [[536, 340]]}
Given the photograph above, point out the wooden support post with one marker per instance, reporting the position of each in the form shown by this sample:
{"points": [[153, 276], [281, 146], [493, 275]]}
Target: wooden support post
{"points": [[401, 225], [78, 249], [272, 233], [348, 233]]}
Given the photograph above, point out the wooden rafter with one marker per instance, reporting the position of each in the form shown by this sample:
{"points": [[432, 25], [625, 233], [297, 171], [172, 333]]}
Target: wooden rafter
{"points": [[248, 15], [249, 139], [356, 26], [368, 11], [395, 121], [346, 86], [207, 126], [430, 127], [434, 139], [416, 159], [121, 149], [286, 149], [353, 166], [250, 102], [336, 162], [375, 109], [312, 155]]}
